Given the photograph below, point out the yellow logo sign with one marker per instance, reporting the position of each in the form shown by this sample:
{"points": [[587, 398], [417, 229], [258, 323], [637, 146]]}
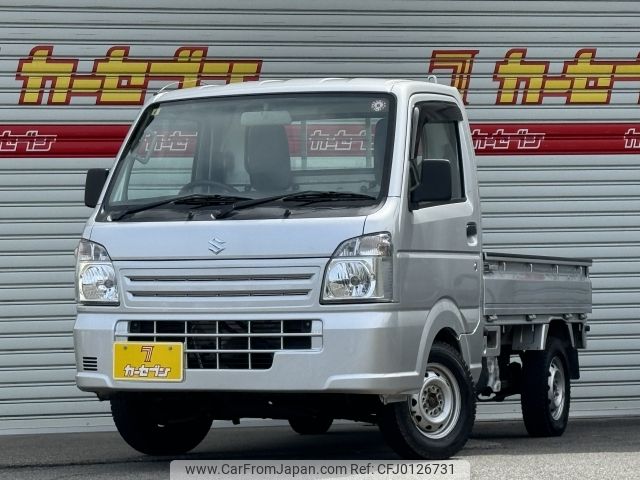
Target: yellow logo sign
{"points": [[160, 362], [583, 79], [118, 79]]}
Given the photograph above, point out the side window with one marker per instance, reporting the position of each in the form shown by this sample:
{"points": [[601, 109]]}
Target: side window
{"points": [[438, 138]]}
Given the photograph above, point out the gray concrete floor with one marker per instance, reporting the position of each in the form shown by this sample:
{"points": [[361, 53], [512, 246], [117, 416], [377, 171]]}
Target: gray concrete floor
{"points": [[590, 449]]}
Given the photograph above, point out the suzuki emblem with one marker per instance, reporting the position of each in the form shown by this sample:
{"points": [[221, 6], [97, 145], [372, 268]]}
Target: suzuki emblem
{"points": [[216, 245]]}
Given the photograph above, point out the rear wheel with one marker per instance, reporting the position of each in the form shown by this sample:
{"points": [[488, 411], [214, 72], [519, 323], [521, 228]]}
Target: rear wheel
{"points": [[546, 390], [315, 425], [435, 423], [143, 430]]}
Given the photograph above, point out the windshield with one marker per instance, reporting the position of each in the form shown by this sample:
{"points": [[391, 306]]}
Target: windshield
{"points": [[243, 148]]}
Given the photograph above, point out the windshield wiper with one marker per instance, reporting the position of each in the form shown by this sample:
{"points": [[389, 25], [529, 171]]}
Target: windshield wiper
{"points": [[321, 196], [306, 196], [197, 200]]}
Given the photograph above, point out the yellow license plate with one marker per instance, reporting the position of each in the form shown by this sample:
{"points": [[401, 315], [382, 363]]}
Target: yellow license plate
{"points": [[155, 362]]}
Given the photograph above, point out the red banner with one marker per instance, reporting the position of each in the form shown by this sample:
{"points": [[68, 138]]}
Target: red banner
{"points": [[61, 141], [556, 138], [103, 141]]}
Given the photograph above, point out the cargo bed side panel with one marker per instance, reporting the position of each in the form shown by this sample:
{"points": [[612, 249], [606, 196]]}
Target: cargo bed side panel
{"points": [[516, 285]]}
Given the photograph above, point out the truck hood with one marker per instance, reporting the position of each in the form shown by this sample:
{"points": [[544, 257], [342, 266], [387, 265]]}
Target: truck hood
{"points": [[226, 239]]}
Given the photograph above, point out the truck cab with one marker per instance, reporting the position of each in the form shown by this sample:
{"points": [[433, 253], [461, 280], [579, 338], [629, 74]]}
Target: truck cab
{"points": [[305, 250]]}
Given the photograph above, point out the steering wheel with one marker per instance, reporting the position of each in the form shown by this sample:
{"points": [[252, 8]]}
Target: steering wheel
{"points": [[211, 187]]}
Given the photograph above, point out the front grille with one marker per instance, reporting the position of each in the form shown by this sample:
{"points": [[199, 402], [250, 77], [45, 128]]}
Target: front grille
{"points": [[90, 364], [230, 344], [219, 287]]}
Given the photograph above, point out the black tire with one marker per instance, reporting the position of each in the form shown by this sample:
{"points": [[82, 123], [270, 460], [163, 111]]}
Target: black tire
{"points": [[545, 374], [316, 425], [138, 427], [405, 425]]}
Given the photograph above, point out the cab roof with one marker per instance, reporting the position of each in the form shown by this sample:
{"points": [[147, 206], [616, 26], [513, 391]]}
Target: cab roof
{"points": [[319, 85]]}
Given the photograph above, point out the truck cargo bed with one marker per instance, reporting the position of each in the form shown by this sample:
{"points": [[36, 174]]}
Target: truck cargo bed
{"points": [[523, 284]]}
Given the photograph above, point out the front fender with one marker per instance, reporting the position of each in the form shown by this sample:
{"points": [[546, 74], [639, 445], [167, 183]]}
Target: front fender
{"points": [[444, 314]]}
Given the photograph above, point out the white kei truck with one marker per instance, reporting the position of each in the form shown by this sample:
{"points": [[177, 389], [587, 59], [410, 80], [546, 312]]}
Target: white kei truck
{"points": [[311, 250]]}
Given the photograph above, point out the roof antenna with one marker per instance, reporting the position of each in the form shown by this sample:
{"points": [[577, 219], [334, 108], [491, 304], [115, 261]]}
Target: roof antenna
{"points": [[432, 79]]}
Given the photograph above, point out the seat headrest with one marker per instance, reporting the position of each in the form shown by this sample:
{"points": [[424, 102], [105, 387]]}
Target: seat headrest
{"points": [[267, 159]]}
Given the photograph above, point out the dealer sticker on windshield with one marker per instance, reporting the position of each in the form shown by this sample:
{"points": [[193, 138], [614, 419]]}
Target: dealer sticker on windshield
{"points": [[156, 362]]}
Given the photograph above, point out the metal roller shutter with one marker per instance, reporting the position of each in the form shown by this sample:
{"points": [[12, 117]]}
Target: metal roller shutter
{"points": [[559, 174]]}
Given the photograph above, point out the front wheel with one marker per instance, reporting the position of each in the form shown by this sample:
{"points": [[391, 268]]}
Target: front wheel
{"points": [[546, 390], [435, 423], [141, 427]]}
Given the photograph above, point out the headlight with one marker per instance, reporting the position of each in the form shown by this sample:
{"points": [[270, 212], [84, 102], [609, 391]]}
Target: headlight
{"points": [[95, 276], [361, 269]]}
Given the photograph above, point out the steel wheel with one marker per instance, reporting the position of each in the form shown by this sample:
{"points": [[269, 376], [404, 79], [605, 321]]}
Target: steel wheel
{"points": [[436, 409], [436, 422], [546, 390], [556, 388]]}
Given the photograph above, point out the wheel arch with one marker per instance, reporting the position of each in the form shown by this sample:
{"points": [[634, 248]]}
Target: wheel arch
{"points": [[448, 335], [444, 323], [536, 337], [562, 330]]}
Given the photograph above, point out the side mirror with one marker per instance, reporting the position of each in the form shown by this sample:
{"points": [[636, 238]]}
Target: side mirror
{"points": [[96, 178], [435, 182]]}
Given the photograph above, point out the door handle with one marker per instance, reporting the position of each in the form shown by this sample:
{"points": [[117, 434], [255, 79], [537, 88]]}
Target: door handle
{"points": [[472, 234]]}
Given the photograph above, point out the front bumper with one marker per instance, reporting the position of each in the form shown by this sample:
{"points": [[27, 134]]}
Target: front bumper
{"points": [[363, 351]]}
